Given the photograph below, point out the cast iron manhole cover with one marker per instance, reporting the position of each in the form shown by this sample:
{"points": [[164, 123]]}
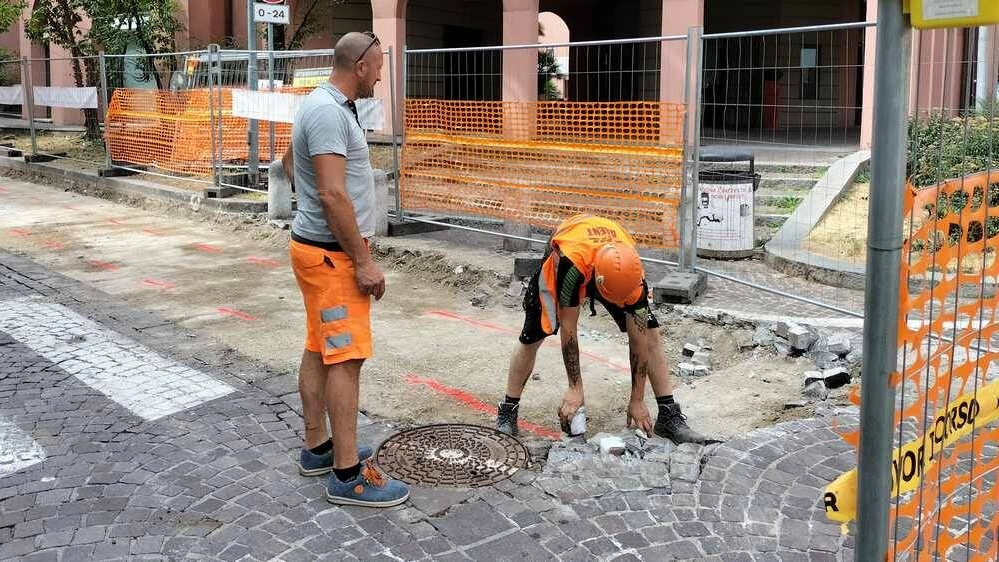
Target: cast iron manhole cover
{"points": [[451, 455]]}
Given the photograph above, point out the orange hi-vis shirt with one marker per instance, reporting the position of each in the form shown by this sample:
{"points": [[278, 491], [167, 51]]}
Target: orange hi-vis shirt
{"points": [[578, 238]]}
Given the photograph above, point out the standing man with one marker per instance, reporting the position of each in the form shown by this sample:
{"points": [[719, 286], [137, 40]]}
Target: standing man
{"points": [[594, 257], [336, 273]]}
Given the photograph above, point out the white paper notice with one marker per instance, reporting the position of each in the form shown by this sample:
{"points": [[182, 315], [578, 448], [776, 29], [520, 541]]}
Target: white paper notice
{"points": [[949, 9]]}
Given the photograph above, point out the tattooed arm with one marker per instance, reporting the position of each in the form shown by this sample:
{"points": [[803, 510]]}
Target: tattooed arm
{"points": [[638, 413], [573, 399]]}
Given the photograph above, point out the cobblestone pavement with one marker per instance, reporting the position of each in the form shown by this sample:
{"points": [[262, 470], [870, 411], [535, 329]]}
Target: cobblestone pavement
{"points": [[96, 467]]}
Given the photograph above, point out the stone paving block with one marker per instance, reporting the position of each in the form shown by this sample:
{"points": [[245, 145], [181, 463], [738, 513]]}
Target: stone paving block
{"points": [[578, 554], [515, 546], [469, 523], [46, 556]]}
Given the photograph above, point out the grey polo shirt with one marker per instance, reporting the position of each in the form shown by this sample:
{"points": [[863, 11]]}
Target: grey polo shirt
{"points": [[325, 124]]}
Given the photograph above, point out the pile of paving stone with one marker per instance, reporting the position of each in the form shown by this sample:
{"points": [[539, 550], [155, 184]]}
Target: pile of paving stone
{"points": [[578, 468]]}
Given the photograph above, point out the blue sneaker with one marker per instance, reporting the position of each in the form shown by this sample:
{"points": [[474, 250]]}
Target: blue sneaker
{"points": [[371, 488], [311, 464]]}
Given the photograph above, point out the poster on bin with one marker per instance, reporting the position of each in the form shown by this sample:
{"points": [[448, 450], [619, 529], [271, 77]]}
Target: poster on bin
{"points": [[725, 216]]}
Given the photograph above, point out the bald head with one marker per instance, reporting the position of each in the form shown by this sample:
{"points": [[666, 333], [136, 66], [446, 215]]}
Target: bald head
{"points": [[349, 49]]}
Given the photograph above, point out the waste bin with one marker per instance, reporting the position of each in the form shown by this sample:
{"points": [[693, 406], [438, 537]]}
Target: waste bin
{"points": [[725, 209]]}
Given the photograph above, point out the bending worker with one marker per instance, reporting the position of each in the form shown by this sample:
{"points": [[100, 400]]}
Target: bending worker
{"points": [[594, 257]]}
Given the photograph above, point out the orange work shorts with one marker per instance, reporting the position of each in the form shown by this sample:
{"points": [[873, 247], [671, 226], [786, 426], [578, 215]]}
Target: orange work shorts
{"points": [[338, 315]]}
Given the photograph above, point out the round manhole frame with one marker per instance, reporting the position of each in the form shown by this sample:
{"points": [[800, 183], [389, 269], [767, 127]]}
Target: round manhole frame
{"points": [[518, 457]]}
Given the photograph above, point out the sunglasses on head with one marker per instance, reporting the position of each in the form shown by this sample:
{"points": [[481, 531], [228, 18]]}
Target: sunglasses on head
{"points": [[374, 39]]}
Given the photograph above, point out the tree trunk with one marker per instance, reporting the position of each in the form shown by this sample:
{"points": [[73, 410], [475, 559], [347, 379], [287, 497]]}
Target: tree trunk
{"points": [[90, 117]]}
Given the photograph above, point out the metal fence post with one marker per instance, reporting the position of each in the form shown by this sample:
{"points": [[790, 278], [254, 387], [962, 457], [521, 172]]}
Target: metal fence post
{"points": [[400, 213], [104, 99], [213, 121], [884, 254], [692, 150], [270, 84], [29, 100], [395, 115], [252, 141]]}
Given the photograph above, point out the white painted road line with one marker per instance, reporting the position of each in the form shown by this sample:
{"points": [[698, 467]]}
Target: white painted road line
{"points": [[17, 449], [145, 382]]}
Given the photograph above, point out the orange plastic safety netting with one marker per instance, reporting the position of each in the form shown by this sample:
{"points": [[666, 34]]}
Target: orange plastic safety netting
{"points": [[944, 467], [537, 163], [172, 131]]}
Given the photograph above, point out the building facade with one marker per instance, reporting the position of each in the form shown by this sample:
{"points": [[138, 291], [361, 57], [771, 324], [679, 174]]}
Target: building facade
{"points": [[810, 81]]}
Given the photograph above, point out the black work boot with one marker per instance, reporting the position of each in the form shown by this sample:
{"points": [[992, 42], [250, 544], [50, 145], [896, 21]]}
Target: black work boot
{"points": [[672, 424], [506, 418]]}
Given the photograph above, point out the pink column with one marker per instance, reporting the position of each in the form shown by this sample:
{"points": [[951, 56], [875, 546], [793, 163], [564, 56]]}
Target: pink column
{"points": [[867, 110], [388, 21], [32, 51], [520, 66], [677, 18], [520, 84]]}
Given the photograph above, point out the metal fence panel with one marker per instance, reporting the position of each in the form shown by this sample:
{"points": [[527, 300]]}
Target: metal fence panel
{"points": [[502, 134], [792, 100]]}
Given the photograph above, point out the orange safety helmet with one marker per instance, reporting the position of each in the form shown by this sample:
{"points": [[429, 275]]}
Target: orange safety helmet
{"points": [[618, 273]]}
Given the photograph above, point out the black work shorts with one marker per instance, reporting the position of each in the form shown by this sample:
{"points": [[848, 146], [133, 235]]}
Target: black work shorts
{"points": [[532, 332]]}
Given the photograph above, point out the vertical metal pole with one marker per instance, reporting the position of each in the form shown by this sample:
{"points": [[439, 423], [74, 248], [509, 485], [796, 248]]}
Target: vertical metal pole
{"points": [[253, 155], [270, 82], [884, 254], [395, 145], [213, 117], [104, 98], [698, 51], [400, 212], [29, 100]]}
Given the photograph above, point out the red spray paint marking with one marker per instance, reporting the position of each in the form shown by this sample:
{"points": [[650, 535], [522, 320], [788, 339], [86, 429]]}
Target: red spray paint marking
{"points": [[208, 248], [20, 232], [53, 245], [105, 265], [70, 207], [158, 284], [35, 200], [476, 404], [3, 190], [115, 221], [263, 261], [235, 313], [152, 231], [504, 330]]}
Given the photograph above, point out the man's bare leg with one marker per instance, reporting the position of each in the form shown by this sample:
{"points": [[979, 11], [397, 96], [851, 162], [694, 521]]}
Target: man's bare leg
{"points": [[342, 391], [670, 422], [521, 367], [312, 375], [658, 368]]}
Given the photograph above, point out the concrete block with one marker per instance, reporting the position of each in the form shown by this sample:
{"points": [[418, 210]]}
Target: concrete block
{"points": [[612, 445], [840, 344], [762, 336], [782, 329], [801, 338], [679, 287], [701, 358], [526, 266], [397, 227], [813, 376], [114, 172], [687, 369], [816, 391], [836, 377], [38, 158]]}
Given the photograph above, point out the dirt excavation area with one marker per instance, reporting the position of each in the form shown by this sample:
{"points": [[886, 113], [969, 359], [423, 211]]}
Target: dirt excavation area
{"points": [[443, 333]]}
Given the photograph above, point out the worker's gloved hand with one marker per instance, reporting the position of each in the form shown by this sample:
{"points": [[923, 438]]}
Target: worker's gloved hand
{"points": [[638, 416], [571, 402]]}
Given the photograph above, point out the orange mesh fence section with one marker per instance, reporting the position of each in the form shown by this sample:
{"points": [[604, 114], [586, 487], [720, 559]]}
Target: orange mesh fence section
{"points": [[172, 131], [944, 468], [538, 163]]}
